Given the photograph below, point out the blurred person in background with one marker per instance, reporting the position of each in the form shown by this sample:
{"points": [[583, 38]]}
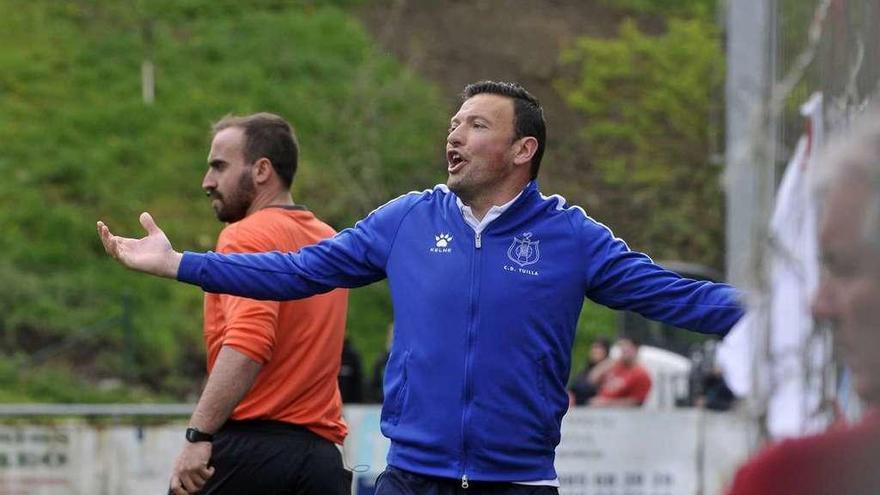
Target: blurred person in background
{"points": [[270, 417], [707, 386], [581, 388], [488, 278], [846, 458], [621, 382]]}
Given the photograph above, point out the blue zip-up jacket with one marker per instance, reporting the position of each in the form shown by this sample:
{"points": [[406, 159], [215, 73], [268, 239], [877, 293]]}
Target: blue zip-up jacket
{"points": [[484, 324]]}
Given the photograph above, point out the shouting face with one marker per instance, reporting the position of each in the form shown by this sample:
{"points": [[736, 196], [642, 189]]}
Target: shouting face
{"points": [[480, 146]]}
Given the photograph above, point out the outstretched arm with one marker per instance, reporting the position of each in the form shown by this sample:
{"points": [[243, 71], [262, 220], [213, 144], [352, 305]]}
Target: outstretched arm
{"points": [[623, 279], [151, 254], [355, 257]]}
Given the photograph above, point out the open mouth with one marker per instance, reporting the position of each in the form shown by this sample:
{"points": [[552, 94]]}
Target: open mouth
{"points": [[454, 161]]}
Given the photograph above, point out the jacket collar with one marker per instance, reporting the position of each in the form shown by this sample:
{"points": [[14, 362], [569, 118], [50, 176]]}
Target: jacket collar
{"points": [[496, 211]]}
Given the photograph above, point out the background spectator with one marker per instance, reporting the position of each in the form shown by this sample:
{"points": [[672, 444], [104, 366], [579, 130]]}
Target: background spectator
{"points": [[622, 381], [706, 385], [581, 389]]}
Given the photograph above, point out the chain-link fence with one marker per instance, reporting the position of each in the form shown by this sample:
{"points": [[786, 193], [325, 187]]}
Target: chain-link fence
{"points": [[844, 61], [781, 53], [830, 47]]}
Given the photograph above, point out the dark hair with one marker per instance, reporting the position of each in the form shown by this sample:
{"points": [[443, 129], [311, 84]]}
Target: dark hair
{"points": [[528, 116], [269, 136], [635, 341], [604, 343]]}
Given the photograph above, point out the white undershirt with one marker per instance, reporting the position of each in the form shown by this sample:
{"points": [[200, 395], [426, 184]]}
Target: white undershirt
{"points": [[478, 226], [493, 213]]}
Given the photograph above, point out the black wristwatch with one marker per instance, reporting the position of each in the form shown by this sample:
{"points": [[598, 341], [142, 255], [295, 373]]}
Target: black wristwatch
{"points": [[193, 435]]}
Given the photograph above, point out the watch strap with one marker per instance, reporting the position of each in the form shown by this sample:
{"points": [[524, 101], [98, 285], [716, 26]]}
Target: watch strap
{"points": [[193, 435]]}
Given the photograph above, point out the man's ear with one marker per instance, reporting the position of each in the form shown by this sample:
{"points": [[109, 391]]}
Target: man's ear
{"points": [[262, 171], [525, 149]]}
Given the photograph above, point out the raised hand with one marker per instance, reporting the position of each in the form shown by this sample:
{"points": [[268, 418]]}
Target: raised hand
{"points": [[151, 254]]}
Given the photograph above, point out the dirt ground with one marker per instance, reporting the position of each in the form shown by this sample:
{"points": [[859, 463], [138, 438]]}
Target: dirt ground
{"points": [[454, 42]]}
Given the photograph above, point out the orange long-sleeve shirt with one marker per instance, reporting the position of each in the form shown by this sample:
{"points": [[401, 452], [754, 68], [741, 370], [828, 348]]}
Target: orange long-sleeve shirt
{"points": [[299, 343]]}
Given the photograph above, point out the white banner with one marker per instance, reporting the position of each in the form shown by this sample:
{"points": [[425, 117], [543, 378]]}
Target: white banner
{"points": [[628, 452], [603, 452]]}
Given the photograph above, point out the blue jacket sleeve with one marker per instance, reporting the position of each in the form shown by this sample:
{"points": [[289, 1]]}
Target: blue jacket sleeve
{"points": [[354, 257], [623, 279]]}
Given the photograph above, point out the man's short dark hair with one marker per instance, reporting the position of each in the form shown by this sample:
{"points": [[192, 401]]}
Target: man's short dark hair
{"points": [[528, 116], [266, 135], [604, 343]]}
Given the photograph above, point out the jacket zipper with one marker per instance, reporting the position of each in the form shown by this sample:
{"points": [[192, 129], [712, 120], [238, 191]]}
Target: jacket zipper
{"points": [[475, 289]]}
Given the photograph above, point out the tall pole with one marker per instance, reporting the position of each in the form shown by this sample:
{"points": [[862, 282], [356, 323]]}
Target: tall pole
{"points": [[748, 184]]}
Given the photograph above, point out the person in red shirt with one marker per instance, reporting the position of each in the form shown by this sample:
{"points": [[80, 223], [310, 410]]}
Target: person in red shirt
{"points": [[622, 381], [845, 459], [270, 417]]}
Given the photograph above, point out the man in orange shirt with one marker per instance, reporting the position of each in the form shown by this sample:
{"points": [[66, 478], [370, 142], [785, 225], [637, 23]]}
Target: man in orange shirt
{"points": [[270, 417], [622, 382]]}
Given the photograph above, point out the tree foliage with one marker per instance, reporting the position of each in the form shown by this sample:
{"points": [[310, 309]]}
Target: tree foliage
{"points": [[80, 144], [648, 102]]}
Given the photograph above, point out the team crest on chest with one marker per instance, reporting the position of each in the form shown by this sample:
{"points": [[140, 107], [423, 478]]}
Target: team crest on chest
{"points": [[523, 250]]}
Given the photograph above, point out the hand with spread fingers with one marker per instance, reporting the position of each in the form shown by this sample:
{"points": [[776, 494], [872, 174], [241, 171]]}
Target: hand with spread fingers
{"points": [[151, 254]]}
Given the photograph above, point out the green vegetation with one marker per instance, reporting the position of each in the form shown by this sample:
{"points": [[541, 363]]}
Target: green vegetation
{"points": [[652, 111], [649, 102], [595, 321], [80, 144]]}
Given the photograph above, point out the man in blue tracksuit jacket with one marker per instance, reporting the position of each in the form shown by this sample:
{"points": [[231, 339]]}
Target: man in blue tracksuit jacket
{"points": [[487, 278]]}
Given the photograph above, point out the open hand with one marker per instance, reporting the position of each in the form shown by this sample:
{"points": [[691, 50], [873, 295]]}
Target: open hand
{"points": [[152, 254]]}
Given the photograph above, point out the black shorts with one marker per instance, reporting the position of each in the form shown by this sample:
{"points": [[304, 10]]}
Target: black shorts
{"points": [[270, 457]]}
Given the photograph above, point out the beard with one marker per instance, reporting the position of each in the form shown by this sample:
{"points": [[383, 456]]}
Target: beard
{"points": [[234, 207]]}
